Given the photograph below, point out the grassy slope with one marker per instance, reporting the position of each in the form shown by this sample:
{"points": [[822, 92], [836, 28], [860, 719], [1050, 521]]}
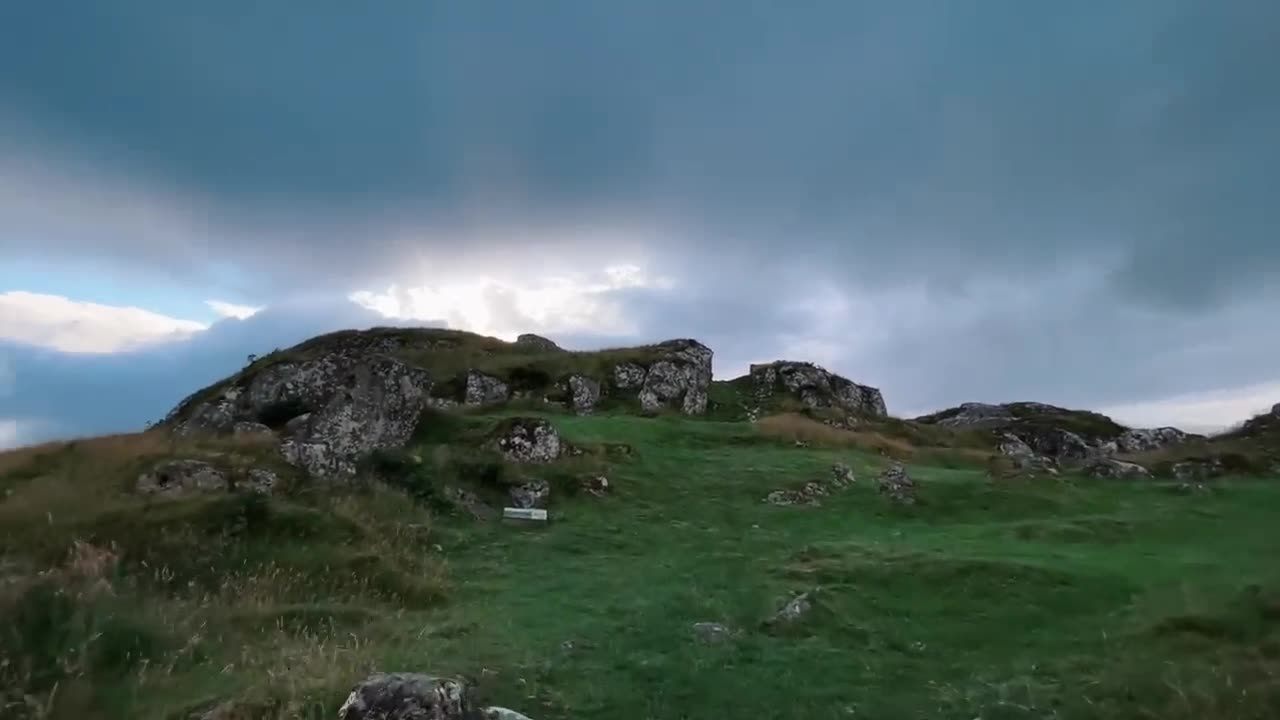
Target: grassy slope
{"points": [[1043, 600]]}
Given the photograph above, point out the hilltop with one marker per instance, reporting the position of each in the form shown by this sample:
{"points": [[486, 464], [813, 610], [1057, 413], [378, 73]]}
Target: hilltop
{"points": [[775, 544]]}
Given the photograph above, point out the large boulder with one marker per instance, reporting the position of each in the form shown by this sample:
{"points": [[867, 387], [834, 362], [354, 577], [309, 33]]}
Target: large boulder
{"points": [[677, 376], [332, 409], [536, 342], [584, 394], [1112, 469], [815, 387], [485, 389]]}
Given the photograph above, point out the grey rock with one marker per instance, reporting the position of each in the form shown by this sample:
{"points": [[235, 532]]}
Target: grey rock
{"points": [[174, 478], [500, 713], [628, 376], [710, 633], [485, 389], [808, 494], [536, 342], [1148, 439], [532, 494], [898, 485], [793, 610], [680, 375], [973, 414], [815, 387], [585, 394], [842, 475], [1198, 470], [527, 440], [248, 428], [407, 696], [597, 485], [261, 481], [1110, 468]]}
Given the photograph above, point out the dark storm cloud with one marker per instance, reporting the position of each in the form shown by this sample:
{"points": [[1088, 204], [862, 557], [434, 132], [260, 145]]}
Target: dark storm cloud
{"points": [[943, 139]]}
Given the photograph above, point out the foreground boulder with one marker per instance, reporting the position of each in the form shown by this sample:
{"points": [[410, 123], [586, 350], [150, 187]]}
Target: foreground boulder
{"points": [[678, 376], [408, 696], [898, 485], [814, 387]]}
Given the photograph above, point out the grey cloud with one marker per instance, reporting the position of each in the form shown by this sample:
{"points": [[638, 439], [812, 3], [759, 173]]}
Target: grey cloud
{"points": [[895, 138]]}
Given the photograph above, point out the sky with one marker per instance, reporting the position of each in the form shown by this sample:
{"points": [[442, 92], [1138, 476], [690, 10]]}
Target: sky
{"points": [[978, 200]]}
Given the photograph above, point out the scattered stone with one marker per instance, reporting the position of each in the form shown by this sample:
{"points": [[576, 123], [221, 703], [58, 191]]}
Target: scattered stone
{"points": [[793, 610], [584, 393], [815, 387], [407, 696], [485, 389], [501, 713], [710, 633], [1110, 468], [801, 443], [842, 475], [536, 342], [528, 440], [596, 485], [174, 478], [807, 494], [898, 485], [1198, 470], [532, 494]]}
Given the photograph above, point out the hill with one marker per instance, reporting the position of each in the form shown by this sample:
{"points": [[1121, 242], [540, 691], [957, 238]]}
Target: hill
{"points": [[692, 566]]}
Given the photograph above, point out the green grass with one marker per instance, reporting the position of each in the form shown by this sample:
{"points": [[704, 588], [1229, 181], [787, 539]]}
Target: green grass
{"points": [[993, 600]]}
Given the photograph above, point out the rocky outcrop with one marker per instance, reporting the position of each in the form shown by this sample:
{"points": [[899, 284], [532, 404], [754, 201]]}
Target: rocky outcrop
{"points": [[584, 394], [678, 376], [527, 440], [813, 491], [814, 387], [536, 342], [1198, 470], [1072, 436], [1148, 439]]}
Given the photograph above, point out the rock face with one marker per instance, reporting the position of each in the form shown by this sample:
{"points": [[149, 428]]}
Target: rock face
{"points": [[407, 696], [815, 387], [527, 440], [1145, 440], [973, 413], [678, 377], [180, 477]]}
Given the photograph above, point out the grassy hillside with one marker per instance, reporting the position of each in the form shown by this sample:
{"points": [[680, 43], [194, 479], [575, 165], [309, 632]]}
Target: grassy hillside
{"points": [[1053, 599]]}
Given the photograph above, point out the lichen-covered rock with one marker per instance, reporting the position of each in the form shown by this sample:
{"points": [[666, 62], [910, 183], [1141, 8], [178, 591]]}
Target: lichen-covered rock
{"points": [[407, 696], [532, 494], [898, 485], [1147, 439], [808, 494], [536, 342], [628, 376], [815, 387], [584, 394], [485, 389], [1198, 470], [972, 414], [527, 440], [678, 377], [174, 478], [1110, 468], [377, 407], [1057, 443], [260, 481]]}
